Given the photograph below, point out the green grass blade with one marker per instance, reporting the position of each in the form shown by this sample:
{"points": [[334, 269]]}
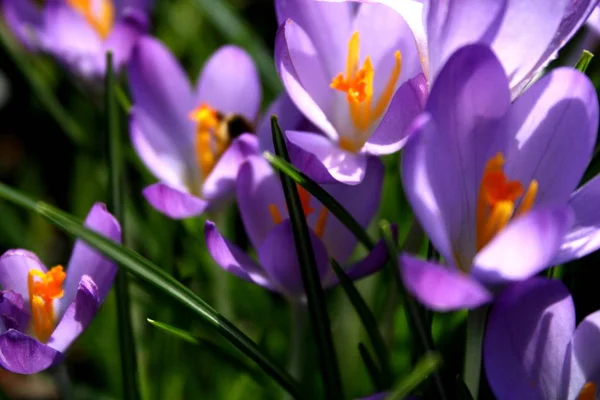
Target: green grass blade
{"points": [[584, 61], [427, 365], [156, 277], [321, 194], [372, 369], [238, 31], [127, 349], [369, 322], [41, 92], [413, 310], [310, 276]]}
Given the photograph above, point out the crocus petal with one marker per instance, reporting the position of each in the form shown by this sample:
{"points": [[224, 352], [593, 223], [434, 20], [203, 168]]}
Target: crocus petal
{"points": [[174, 203], [525, 247], [392, 132], [372, 263], [555, 123], [342, 165], [22, 354], [220, 183], [526, 340], [86, 261], [327, 25], [440, 288], [229, 83], [584, 351], [69, 37], [292, 81], [279, 259], [13, 312], [361, 201], [257, 187], [14, 270], [123, 38], [78, 315], [233, 259], [25, 20], [163, 94], [468, 99], [584, 235]]}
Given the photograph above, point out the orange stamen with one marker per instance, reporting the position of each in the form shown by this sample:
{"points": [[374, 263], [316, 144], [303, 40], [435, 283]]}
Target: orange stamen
{"points": [[357, 83], [588, 392], [307, 209], [100, 14], [44, 288], [210, 143], [497, 199]]}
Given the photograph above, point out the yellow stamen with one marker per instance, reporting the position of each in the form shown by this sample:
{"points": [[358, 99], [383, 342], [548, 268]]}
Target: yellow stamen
{"points": [[44, 288], [588, 392], [211, 143], [496, 200], [357, 83], [275, 214], [100, 14]]}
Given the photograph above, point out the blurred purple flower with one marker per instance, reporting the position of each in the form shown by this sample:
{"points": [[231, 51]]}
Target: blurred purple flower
{"points": [[183, 134], [532, 349], [341, 65], [79, 32], [263, 209], [492, 182], [42, 312]]}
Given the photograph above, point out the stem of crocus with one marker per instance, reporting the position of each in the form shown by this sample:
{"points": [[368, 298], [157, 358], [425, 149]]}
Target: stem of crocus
{"points": [[472, 367], [224, 220], [298, 340], [61, 378]]}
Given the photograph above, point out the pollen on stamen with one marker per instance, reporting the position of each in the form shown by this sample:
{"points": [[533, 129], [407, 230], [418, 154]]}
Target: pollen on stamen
{"points": [[588, 392], [43, 289], [99, 14]]}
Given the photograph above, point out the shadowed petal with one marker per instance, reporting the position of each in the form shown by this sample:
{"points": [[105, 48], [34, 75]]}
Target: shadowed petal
{"points": [[229, 83], [13, 311], [526, 340], [343, 166], [278, 257], [585, 354], [25, 20], [555, 123], [220, 183], [14, 270], [123, 38], [78, 315], [233, 259], [173, 202], [372, 263], [392, 133], [22, 354], [440, 288], [584, 235]]}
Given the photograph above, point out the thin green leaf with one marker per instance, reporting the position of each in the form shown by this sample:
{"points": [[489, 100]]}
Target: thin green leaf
{"points": [[369, 322], [321, 194], [310, 276], [238, 31], [129, 369], [427, 365], [155, 276], [179, 333], [374, 372], [584, 60], [473, 349], [413, 311], [41, 92]]}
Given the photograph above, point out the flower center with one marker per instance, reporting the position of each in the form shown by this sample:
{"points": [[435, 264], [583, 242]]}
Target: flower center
{"points": [[588, 392], [100, 14], [306, 208], [497, 199], [357, 83], [212, 137], [44, 288]]}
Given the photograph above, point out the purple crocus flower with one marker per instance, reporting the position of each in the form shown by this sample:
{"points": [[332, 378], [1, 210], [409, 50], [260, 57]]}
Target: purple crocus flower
{"points": [[532, 349], [79, 32], [492, 182], [341, 65], [186, 136], [262, 206], [43, 311]]}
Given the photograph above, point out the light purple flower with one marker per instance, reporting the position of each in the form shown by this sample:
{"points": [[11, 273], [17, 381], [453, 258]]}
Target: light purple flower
{"points": [[492, 182], [42, 312], [341, 65], [532, 349], [185, 135], [263, 209], [80, 32]]}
